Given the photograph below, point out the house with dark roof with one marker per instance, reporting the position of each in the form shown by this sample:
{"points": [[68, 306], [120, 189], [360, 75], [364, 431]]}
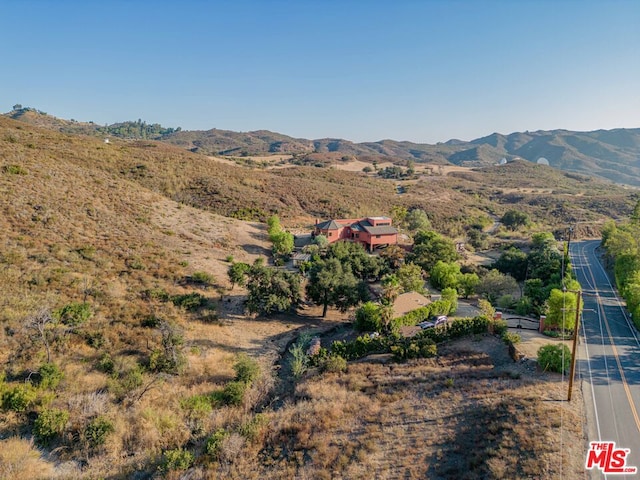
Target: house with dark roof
{"points": [[369, 231]]}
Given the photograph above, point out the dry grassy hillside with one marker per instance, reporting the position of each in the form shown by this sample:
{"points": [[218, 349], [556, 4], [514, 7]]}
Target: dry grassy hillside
{"points": [[75, 231], [118, 326]]}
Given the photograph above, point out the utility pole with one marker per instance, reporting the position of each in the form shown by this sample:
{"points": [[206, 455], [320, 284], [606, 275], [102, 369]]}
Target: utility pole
{"points": [[572, 371]]}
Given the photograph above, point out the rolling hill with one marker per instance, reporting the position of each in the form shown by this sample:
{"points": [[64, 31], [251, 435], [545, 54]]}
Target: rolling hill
{"points": [[100, 244], [611, 154]]}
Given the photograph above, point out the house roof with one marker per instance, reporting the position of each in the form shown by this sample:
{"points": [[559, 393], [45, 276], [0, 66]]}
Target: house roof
{"points": [[302, 257], [386, 230], [408, 302], [329, 225]]}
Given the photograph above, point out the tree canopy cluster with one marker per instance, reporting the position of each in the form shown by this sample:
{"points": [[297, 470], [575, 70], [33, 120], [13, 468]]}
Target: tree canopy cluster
{"points": [[547, 288], [283, 241], [623, 250]]}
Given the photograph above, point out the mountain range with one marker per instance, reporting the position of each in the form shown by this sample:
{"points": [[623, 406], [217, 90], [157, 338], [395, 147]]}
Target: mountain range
{"points": [[610, 154]]}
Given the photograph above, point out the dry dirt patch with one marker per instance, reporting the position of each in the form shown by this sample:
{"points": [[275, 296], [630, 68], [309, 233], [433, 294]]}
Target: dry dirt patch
{"points": [[204, 239]]}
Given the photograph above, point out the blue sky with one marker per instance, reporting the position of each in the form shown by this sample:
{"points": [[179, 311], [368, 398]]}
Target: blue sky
{"points": [[423, 71]]}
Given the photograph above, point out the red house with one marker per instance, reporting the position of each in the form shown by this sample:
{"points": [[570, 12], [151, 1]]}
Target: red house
{"points": [[369, 231]]}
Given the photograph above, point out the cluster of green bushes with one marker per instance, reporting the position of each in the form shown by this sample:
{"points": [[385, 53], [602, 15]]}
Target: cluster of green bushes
{"points": [[34, 397], [73, 314], [554, 358], [421, 345], [409, 348], [362, 346], [456, 329], [623, 248], [247, 371], [189, 301]]}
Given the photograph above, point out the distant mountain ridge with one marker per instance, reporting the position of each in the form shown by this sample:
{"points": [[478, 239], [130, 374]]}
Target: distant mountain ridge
{"points": [[611, 154]]}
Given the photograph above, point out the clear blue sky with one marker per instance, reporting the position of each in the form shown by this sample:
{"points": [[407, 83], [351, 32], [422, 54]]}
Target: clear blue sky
{"points": [[424, 71]]}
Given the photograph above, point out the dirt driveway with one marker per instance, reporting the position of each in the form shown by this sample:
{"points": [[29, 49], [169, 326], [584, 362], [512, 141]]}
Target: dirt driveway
{"points": [[531, 340]]}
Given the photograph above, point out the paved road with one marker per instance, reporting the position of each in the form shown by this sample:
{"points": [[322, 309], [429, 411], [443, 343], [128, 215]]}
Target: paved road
{"points": [[608, 359]]}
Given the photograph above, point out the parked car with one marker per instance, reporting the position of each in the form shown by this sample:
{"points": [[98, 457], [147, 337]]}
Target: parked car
{"points": [[434, 322]]}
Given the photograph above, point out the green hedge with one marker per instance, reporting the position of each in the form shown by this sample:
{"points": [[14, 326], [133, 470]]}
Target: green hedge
{"points": [[423, 344], [439, 307], [456, 329]]}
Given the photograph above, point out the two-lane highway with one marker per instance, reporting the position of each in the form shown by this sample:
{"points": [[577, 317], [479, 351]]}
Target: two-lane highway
{"points": [[608, 359]]}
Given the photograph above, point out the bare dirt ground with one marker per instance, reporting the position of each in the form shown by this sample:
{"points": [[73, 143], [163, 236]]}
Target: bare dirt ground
{"points": [[204, 239]]}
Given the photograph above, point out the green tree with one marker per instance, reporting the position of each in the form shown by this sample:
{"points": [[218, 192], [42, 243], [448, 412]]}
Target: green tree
{"points": [[237, 273], [468, 283], [513, 219], [513, 262], [332, 283], [399, 214], [283, 244], [393, 257], [562, 309], [392, 288], [431, 247], [410, 277], [321, 241], [368, 318], [283, 241], [545, 260], [495, 284], [445, 275], [416, 220], [271, 290], [450, 295], [355, 257]]}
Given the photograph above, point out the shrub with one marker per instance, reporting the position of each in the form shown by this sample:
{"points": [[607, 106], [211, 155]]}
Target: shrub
{"points": [[202, 278], [14, 170], [151, 321], [124, 382], [233, 393], [156, 294], [50, 375], [18, 398], [246, 368], [97, 431], [499, 327], [49, 424], [361, 347], [414, 348], [506, 301], [368, 318], [213, 445], [252, 429], [197, 403], [554, 358], [176, 459], [73, 314], [197, 408], [523, 306], [189, 301], [105, 364], [300, 360], [335, 364], [171, 362], [456, 329], [511, 338]]}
